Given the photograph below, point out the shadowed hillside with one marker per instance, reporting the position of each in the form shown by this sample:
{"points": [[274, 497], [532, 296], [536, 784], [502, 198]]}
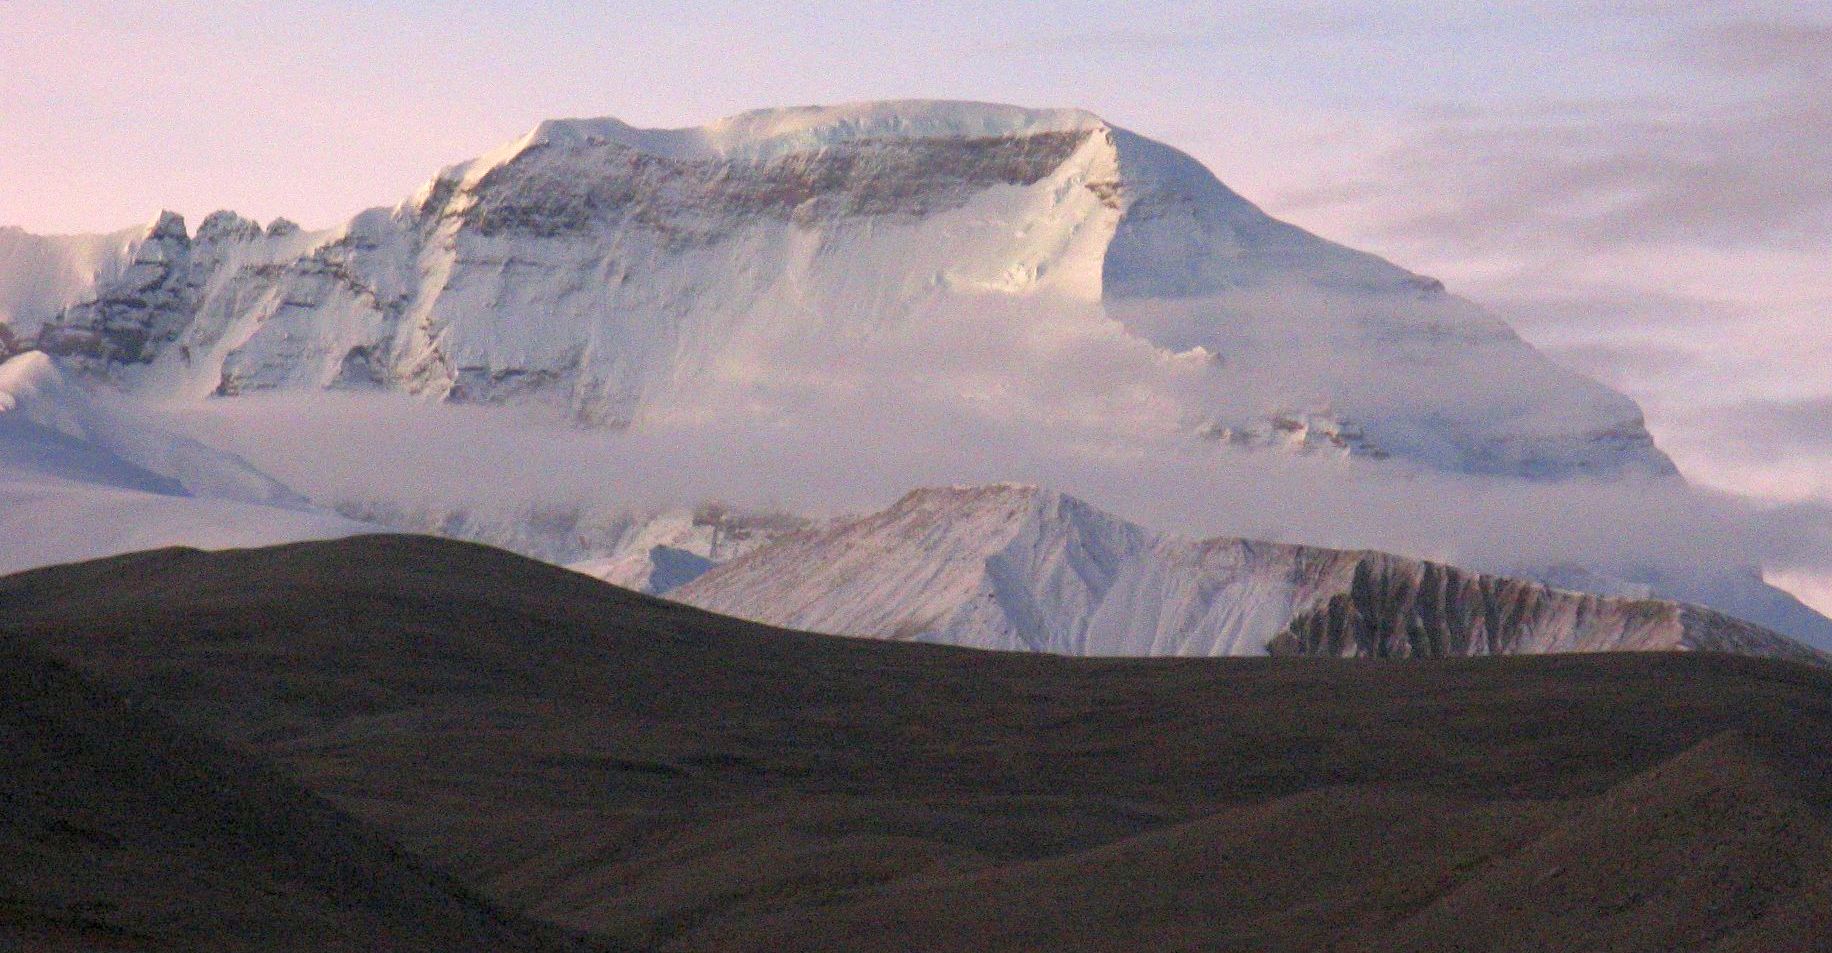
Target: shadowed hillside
{"points": [[122, 833], [669, 778]]}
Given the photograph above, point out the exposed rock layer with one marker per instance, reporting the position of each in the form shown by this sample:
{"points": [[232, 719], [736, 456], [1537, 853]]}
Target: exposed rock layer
{"points": [[1403, 608]]}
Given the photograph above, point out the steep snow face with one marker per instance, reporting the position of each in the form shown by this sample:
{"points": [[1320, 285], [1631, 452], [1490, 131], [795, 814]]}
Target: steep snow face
{"points": [[130, 309], [1020, 568], [620, 274], [79, 481]]}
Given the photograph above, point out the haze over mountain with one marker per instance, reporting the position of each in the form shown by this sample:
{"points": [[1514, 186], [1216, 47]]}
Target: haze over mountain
{"points": [[1344, 488], [1641, 192]]}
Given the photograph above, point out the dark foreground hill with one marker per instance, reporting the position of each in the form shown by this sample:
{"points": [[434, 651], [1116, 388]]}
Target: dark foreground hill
{"points": [[120, 832], [668, 778]]}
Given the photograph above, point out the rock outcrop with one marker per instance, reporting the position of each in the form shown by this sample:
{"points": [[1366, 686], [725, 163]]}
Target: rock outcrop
{"points": [[1406, 608]]}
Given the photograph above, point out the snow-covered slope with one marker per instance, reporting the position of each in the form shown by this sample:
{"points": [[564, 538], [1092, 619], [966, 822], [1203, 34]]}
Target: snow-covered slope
{"points": [[35, 393], [1020, 568], [1740, 593], [78, 481], [675, 547], [622, 274]]}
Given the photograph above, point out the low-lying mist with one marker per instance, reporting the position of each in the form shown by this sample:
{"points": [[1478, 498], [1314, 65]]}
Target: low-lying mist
{"points": [[1063, 397], [337, 447]]}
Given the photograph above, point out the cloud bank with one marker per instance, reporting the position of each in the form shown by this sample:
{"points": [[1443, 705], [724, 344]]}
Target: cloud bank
{"points": [[1095, 413]]}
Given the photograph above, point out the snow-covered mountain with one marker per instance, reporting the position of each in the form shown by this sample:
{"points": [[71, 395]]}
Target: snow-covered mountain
{"points": [[969, 275], [622, 274], [78, 481], [1020, 568]]}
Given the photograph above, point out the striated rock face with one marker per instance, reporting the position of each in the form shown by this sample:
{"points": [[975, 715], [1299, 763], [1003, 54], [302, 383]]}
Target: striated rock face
{"points": [[541, 195], [1404, 608], [616, 275], [1020, 568]]}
